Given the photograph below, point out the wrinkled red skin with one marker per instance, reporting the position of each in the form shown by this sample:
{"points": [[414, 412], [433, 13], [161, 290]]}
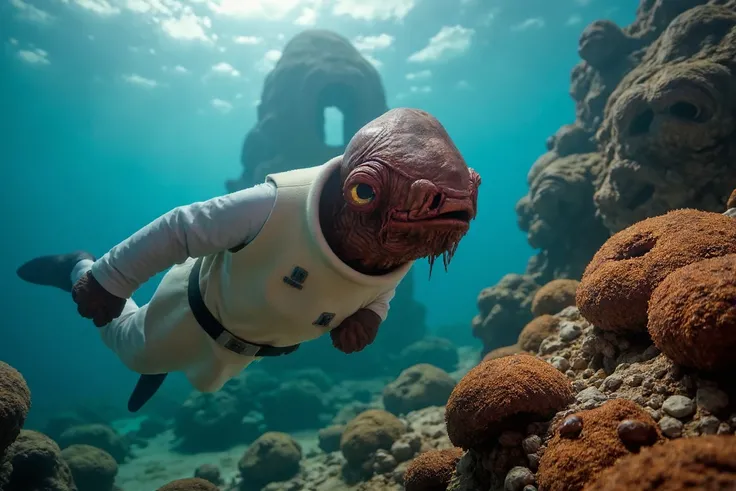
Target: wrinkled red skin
{"points": [[425, 196]]}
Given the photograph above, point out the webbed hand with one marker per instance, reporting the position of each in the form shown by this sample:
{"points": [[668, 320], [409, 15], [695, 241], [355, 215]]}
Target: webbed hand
{"points": [[356, 331], [94, 302]]}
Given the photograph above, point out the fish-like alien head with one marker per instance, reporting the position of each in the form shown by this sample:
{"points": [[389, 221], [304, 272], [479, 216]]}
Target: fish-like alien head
{"points": [[407, 193]]}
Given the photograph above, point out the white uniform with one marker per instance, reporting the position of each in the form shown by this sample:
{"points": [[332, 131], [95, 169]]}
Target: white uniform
{"points": [[286, 286]]}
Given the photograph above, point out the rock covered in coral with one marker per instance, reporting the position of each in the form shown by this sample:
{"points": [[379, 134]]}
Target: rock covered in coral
{"points": [[432, 470], [92, 468], [692, 314], [210, 473], [37, 465], [214, 421], [504, 309], [418, 387], [669, 130], [434, 350], [189, 484], [370, 431], [554, 296], [271, 458], [539, 329], [558, 213], [617, 284], [500, 394], [585, 443], [329, 438], [15, 402], [503, 351], [100, 436], [706, 463]]}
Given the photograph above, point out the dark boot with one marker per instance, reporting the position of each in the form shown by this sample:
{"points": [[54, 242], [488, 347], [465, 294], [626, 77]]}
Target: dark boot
{"points": [[55, 270]]}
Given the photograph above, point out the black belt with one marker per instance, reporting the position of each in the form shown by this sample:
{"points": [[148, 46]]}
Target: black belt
{"points": [[149, 384]]}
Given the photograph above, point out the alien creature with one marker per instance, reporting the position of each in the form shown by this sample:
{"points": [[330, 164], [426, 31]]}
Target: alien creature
{"points": [[256, 272]]}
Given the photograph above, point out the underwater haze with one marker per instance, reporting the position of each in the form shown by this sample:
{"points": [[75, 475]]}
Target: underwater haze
{"points": [[116, 111]]}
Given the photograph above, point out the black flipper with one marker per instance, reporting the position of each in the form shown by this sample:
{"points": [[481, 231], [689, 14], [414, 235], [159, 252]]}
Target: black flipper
{"points": [[54, 270], [145, 388]]}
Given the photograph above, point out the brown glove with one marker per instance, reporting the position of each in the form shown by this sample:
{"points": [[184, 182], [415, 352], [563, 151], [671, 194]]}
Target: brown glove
{"points": [[356, 332], [94, 302]]}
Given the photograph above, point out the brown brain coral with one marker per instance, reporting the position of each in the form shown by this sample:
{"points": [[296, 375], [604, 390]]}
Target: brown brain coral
{"points": [[432, 470], [705, 463], [536, 331], [498, 393], [692, 314], [501, 352], [369, 431], [273, 457], [587, 442], [418, 387], [15, 402], [189, 484], [618, 282], [554, 296], [93, 469]]}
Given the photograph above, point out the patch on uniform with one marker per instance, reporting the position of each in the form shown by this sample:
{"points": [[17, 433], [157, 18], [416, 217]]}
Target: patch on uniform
{"points": [[297, 278], [324, 319]]}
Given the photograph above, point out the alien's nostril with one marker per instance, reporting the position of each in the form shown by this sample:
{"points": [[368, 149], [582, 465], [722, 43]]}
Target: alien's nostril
{"points": [[641, 123], [435, 202]]}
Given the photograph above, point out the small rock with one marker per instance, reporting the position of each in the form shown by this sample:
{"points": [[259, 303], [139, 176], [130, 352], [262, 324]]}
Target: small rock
{"points": [[671, 427], [656, 401], [708, 425], [531, 444], [383, 462], [659, 372], [579, 385], [724, 429], [560, 363], [533, 461], [648, 383], [591, 394], [579, 363], [612, 382], [518, 478], [635, 380], [570, 374], [571, 427], [679, 406], [402, 451], [636, 434], [588, 372], [711, 399], [550, 345], [569, 331], [530, 487], [650, 352]]}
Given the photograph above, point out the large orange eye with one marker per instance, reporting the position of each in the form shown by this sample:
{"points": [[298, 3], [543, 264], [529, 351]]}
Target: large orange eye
{"points": [[362, 194]]}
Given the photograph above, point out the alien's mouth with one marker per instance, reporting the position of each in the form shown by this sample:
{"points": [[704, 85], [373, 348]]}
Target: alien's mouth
{"points": [[456, 218]]}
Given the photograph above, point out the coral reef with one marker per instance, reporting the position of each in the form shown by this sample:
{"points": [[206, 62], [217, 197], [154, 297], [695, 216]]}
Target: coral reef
{"points": [[432, 470], [100, 436], [537, 331], [189, 484], [587, 442], [617, 284], [498, 395], [15, 402], [692, 314], [271, 458], [370, 431], [707, 463], [654, 132], [504, 309], [37, 465], [93, 469], [554, 296], [418, 387]]}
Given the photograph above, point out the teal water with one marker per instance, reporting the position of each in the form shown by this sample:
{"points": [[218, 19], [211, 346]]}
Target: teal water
{"points": [[101, 133]]}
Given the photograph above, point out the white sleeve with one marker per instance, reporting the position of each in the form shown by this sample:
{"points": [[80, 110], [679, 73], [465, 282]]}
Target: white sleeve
{"points": [[382, 304], [195, 230]]}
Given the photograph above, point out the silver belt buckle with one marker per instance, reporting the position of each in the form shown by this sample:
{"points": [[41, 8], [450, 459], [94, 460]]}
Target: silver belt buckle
{"points": [[236, 345]]}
